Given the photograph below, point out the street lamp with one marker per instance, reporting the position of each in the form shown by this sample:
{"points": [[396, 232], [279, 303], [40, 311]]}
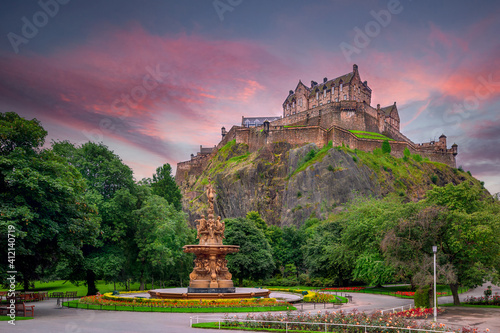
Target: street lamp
{"points": [[435, 249]]}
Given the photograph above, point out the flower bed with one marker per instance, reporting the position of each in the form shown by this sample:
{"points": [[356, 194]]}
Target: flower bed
{"points": [[316, 322], [411, 293], [109, 299], [483, 300], [345, 289], [418, 312], [314, 297]]}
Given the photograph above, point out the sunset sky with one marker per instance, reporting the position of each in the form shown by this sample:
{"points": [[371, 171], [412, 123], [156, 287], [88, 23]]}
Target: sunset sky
{"points": [[153, 80]]}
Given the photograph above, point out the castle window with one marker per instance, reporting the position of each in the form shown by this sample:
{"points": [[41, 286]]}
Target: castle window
{"points": [[345, 97], [293, 104], [321, 103], [341, 85], [336, 99], [317, 95], [324, 93], [300, 101]]}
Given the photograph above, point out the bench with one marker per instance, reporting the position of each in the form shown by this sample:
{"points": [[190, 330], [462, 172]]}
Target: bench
{"points": [[71, 294], [25, 309], [20, 308], [57, 294]]}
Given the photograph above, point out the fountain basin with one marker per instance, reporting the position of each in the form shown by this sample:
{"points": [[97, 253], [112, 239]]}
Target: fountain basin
{"points": [[182, 293]]}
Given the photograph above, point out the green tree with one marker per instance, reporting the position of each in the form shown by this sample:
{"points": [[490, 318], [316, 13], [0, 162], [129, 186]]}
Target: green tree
{"points": [[163, 184], [326, 256], [160, 233], [17, 132], [254, 260], [116, 197], [464, 223], [44, 198], [101, 167]]}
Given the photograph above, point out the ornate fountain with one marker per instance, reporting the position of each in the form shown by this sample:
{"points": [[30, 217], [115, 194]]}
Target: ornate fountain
{"points": [[210, 277], [210, 273]]}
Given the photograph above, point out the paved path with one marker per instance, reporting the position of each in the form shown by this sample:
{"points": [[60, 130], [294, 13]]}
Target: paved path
{"points": [[50, 318]]}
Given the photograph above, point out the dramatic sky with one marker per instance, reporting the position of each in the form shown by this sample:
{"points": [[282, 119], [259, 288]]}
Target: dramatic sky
{"points": [[153, 80]]}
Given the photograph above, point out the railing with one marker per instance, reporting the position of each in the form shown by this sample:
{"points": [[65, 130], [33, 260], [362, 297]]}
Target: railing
{"points": [[288, 325], [410, 306]]}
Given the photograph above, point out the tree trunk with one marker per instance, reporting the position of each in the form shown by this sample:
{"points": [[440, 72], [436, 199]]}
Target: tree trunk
{"points": [[152, 282], [240, 282], [114, 285], [142, 281], [454, 292], [26, 284], [91, 288]]}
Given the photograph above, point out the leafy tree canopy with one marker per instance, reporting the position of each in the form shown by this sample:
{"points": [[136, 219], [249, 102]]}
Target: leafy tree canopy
{"points": [[163, 184], [16, 131], [254, 260]]}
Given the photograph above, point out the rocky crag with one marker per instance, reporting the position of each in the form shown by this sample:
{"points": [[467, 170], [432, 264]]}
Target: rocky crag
{"points": [[288, 185]]}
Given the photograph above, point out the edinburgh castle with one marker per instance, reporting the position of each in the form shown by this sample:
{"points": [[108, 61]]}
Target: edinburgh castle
{"points": [[337, 110]]}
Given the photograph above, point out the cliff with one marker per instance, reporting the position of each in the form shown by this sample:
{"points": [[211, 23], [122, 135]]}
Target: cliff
{"points": [[287, 185]]}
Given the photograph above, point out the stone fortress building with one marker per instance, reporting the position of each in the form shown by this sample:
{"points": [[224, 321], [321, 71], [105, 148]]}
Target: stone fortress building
{"points": [[334, 110]]}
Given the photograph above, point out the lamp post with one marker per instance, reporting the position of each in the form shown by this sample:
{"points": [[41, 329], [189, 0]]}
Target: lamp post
{"points": [[434, 249]]}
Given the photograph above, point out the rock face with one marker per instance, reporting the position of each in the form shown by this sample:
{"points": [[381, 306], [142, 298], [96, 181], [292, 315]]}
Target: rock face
{"points": [[288, 185]]}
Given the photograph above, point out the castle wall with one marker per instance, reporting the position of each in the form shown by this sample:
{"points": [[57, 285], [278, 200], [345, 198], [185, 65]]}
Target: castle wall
{"points": [[195, 166], [255, 138]]}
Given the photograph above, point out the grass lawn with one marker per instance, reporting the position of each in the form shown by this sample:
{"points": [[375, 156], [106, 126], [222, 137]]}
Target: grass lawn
{"points": [[373, 290], [75, 303], [472, 305], [6, 318], [61, 285], [370, 135], [216, 326]]}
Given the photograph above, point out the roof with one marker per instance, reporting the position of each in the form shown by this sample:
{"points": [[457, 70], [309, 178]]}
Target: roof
{"points": [[388, 109], [257, 121], [332, 83], [346, 78]]}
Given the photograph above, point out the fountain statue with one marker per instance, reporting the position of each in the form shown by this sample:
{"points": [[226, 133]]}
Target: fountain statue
{"points": [[210, 273], [210, 278]]}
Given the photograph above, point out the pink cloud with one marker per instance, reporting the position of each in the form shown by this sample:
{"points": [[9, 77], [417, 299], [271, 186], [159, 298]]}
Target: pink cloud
{"points": [[178, 82]]}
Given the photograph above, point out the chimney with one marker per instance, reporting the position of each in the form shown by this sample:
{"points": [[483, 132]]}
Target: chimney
{"points": [[325, 79], [313, 83], [355, 68], [290, 92], [378, 106], [223, 131], [365, 83]]}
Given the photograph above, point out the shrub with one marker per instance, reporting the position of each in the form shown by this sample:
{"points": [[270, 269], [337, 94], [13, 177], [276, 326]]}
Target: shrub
{"points": [[386, 147], [434, 179], [406, 152], [422, 298], [418, 158]]}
